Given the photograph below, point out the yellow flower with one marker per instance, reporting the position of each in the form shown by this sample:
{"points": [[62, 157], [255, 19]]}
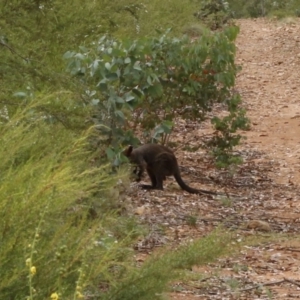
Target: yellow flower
{"points": [[28, 261], [33, 270], [54, 296], [79, 295]]}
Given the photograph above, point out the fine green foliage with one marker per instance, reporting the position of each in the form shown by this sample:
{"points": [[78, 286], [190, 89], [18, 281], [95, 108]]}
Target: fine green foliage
{"points": [[262, 8], [146, 84], [149, 281], [51, 241]]}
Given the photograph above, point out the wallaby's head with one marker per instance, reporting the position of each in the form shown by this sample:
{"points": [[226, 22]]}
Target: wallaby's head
{"points": [[127, 152]]}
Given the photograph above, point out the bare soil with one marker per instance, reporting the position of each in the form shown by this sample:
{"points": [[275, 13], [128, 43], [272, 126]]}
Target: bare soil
{"points": [[268, 182]]}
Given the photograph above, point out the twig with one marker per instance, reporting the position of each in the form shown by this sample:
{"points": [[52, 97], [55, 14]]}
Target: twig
{"points": [[290, 249], [288, 218], [292, 281], [262, 284], [293, 250], [196, 286], [271, 283], [12, 50]]}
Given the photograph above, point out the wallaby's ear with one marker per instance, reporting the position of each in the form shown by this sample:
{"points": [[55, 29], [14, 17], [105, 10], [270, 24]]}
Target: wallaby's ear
{"points": [[128, 151]]}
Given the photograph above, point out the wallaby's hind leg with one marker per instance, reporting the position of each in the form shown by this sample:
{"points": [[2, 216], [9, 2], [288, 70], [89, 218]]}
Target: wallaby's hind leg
{"points": [[159, 178], [147, 186], [152, 177], [156, 180], [153, 181], [159, 184]]}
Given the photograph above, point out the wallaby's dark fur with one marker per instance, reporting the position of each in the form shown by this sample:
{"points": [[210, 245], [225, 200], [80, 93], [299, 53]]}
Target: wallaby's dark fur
{"points": [[159, 162]]}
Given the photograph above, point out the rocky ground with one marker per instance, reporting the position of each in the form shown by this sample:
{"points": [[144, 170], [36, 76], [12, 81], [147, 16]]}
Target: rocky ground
{"points": [[267, 184]]}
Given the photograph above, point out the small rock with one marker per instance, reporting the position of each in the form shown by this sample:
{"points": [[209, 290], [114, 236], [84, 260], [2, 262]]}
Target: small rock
{"points": [[258, 225], [140, 210]]}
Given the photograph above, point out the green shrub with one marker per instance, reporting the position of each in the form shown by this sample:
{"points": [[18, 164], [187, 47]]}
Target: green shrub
{"points": [[144, 85], [214, 13]]}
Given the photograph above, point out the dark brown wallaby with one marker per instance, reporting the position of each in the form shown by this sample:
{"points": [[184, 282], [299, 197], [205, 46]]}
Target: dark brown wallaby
{"points": [[159, 162]]}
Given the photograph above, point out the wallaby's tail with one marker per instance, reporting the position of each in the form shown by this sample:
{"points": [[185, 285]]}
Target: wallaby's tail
{"points": [[184, 186], [187, 188]]}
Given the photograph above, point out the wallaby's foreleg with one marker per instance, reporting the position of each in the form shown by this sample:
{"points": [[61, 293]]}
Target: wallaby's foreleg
{"points": [[138, 172]]}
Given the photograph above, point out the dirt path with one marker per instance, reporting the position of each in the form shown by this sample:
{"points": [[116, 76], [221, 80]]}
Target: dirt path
{"points": [[270, 87], [268, 181]]}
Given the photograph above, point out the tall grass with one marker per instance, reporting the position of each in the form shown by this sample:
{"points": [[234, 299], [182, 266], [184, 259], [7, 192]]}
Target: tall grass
{"points": [[50, 243]]}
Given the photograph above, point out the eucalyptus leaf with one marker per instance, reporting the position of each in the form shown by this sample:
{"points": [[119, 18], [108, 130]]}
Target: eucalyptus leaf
{"points": [[137, 66], [127, 60], [107, 66]]}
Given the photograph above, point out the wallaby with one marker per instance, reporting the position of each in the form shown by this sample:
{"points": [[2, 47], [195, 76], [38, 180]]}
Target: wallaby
{"points": [[159, 162]]}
